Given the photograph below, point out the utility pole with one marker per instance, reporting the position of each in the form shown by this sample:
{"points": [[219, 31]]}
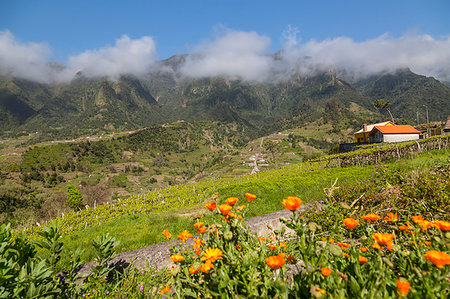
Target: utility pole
{"points": [[417, 118], [426, 107]]}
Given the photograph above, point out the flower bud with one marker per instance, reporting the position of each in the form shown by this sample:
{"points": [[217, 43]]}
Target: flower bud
{"points": [[228, 235], [335, 250]]}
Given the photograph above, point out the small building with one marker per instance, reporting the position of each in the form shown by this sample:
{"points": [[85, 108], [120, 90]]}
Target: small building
{"points": [[446, 128], [362, 136], [393, 133]]}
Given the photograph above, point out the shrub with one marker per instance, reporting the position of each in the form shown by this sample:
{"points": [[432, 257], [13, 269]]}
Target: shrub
{"points": [[74, 197]]}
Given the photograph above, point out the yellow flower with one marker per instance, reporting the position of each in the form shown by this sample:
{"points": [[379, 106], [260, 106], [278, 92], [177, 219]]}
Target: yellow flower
{"points": [[372, 217], [198, 243], [231, 200], [225, 209], [272, 247], [184, 236], [275, 261], [177, 258], [391, 217], [403, 287], [250, 196], [292, 203], [439, 258], [325, 271], [350, 223], [212, 254], [167, 234], [165, 290]]}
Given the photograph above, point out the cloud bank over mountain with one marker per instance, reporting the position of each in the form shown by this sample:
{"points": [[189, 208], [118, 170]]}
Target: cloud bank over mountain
{"points": [[237, 55]]}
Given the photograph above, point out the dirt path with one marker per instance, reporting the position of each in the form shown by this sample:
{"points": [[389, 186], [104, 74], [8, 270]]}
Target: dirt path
{"points": [[157, 255]]}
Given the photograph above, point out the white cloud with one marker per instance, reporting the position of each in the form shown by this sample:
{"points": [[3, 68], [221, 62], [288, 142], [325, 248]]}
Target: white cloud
{"points": [[29, 61], [235, 54], [127, 56]]}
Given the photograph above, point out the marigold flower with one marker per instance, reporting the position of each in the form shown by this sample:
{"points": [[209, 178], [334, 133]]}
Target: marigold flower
{"points": [[211, 206], [197, 252], [184, 236], [232, 215], [250, 196], [261, 239], [208, 265], [425, 224], [343, 245], [443, 225], [403, 287], [282, 254], [238, 247], [292, 203], [376, 246], [198, 225], [371, 217], [405, 227], [428, 243], [275, 261], [212, 254], [194, 271], [383, 239], [165, 290], [272, 247], [350, 223], [225, 209], [391, 217], [198, 243], [283, 245], [325, 271], [346, 254], [439, 258], [417, 218], [177, 258], [363, 259], [331, 240], [167, 234], [322, 291], [363, 249], [231, 200]]}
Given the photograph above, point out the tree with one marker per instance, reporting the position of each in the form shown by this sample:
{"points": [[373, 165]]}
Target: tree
{"points": [[74, 197], [273, 148], [384, 104]]}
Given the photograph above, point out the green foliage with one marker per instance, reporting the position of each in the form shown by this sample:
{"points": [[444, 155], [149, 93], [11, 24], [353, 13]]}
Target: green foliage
{"points": [[74, 197]]}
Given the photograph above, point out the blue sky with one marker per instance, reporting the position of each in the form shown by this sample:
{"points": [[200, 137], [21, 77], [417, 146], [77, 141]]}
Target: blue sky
{"points": [[231, 38], [71, 27]]}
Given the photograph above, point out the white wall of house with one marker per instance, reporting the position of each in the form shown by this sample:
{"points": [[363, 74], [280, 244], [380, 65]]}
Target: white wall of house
{"points": [[399, 137]]}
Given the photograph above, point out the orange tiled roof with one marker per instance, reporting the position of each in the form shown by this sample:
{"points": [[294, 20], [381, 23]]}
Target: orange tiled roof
{"points": [[400, 129]]}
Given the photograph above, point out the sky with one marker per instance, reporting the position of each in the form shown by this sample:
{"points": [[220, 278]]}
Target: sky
{"points": [[228, 37]]}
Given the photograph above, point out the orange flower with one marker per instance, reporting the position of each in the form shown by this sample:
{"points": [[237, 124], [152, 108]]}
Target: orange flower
{"points": [[292, 203], [425, 224], [372, 217], [350, 223], [391, 217], [250, 196], [198, 243], [177, 258], [232, 215], [225, 209], [376, 246], [325, 271], [198, 225], [363, 259], [363, 249], [165, 290], [212, 254], [403, 287], [260, 239], [383, 239], [238, 247], [211, 206], [345, 254], [275, 261], [405, 227], [282, 254], [439, 258], [184, 236], [417, 218], [443, 225], [331, 240], [208, 265], [272, 247], [231, 200], [343, 245], [167, 234], [197, 251], [322, 291], [428, 243], [283, 245], [194, 271]]}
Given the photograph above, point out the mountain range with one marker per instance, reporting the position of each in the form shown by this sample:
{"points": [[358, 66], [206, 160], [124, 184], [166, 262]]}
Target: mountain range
{"points": [[86, 105]]}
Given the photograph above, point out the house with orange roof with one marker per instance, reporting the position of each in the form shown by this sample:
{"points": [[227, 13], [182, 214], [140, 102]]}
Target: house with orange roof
{"points": [[393, 133], [362, 136]]}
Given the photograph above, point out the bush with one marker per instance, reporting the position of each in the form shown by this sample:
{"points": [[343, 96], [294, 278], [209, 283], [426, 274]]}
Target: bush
{"points": [[74, 197]]}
